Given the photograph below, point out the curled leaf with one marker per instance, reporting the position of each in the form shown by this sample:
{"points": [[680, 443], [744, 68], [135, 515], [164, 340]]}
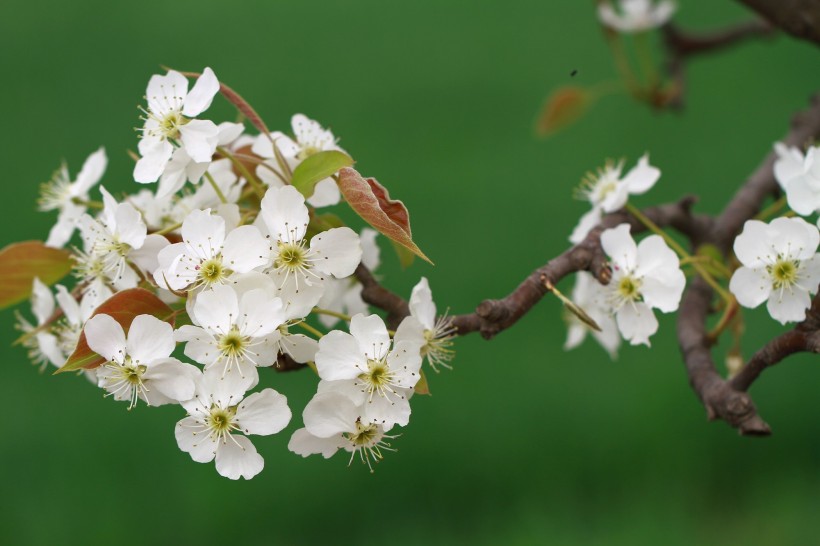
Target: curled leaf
{"points": [[123, 307], [562, 108], [372, 202], [22, 262], [316, 168]]}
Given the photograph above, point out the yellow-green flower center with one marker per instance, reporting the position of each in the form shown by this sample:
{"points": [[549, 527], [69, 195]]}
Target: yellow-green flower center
{"points": [[291, 255], [212, 271], [629, 288], [220, 420], [170, 123], [233, 343], [783, 272]]}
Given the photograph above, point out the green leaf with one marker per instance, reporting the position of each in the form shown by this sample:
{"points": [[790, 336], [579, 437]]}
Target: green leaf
{"points": [[316, 168], [123, 307], [372, 202], [22, 262]]}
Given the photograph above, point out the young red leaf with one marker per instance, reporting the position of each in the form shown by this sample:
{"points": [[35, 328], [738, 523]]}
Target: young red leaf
{"points": [[563, 108], [22, 262], [372, 202], [123, 307]]}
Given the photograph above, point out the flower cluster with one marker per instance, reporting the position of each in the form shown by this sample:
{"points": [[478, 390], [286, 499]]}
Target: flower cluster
{"points": [[187, 289]]}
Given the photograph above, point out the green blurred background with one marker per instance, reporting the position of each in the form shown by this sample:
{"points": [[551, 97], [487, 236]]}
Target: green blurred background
{"points": [[522, 443]]}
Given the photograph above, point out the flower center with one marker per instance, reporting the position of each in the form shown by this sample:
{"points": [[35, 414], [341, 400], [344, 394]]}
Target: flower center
{"points": [[378, 378], [211, 271], [629, 288], [783, 272], [368, 441], [125, 381], [170, 123], [221, 420], [233, 343], [291, 256]]}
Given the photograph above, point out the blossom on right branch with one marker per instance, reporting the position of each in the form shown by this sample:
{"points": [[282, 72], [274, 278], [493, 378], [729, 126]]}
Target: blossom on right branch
{"points": [[636, 15], [644, 276], [780, 264], [799, 176]]}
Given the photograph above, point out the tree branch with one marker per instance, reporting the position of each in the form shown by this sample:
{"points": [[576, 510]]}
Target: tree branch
{"points": [[800, 18]]}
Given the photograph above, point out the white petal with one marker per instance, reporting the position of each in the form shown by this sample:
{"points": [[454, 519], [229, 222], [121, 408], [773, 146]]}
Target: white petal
{"points": [[90, 174], [788, 305], [620, 247], [146, 257], [304, 443], [750, 286], [337, 251], [642, 177], [259, 313], [339, 357], [245, 249], [795, 237], [42, 301], [754, 244], [224, 390], [166, 92], [300, 348], [105, 337], [237, 458], [370, 248], [217, 309], [371, 335], [202, 94], [421, 304], [204, 233], [263, 413], [329, 414], [636, 322], [194, 439], [172, 379], [585, 225], [228, 132], [199, 137], [325, 194], [149, 339], [69, 305], [285, 214], [388, 410], [150, 166], [130, 227]]}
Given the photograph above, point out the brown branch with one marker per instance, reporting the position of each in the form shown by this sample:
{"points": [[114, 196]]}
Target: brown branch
{"points": [[723, 399], [681, 45], [805, 337], [493, 316], [800, 18]]}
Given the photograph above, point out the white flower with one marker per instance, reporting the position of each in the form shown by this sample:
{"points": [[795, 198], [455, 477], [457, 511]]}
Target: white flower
{"points": [[109, 242], [364, 368], [332, 422], [636, 15], [311, 138], [433, 333], [606, 191], [345, 295], [218, 412], [645, 276], [234, 334], [206, 256], [799, 176], [42, 344], [780, 265], [334, 252], [60, 194], [140, 366], [169, 123], [591, 296]]}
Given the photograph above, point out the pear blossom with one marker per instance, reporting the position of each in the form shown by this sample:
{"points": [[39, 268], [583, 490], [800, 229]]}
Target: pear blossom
{"points": [[42, 344], [333, 422], [799, 176], [345, 295], [591, 296], [109, 242], [140, 365], [62, 194], [218, 412], [170, 125], [362, 366], [606, 191], [75, 314], [433, 333], [644, 276], [336, 251], [311, 138], [208, 257], [780, 266], [636, 15], [234, 333]]}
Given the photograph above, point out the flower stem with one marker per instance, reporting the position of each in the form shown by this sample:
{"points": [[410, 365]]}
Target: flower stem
{"points": [[310, 329], [684, 255], [168, 229], [215, 186], [258, 187], [328, 312], [89, 204]]}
